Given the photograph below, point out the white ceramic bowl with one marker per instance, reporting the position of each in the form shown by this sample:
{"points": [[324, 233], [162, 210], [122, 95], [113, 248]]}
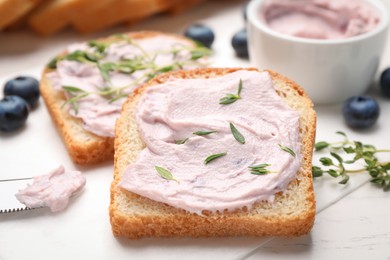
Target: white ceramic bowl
{"points": [[329, 70]]}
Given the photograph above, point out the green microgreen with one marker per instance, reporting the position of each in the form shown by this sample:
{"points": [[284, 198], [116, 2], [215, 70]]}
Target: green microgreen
{"points": [[165, 174], [237, 135], [213, 157], [338, 167], [231, 98]]}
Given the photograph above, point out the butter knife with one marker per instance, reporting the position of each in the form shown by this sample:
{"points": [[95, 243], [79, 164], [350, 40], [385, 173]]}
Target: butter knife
{"points": [[8, 189]]}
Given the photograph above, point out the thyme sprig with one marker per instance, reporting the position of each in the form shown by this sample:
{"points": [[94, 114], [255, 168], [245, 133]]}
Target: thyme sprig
{"points": [[145, 61], [336, 166], [231, 98], [76, 94]]}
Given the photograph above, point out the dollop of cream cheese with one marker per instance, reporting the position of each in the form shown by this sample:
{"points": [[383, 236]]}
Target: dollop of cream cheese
{"points": [[320, 19], [100, 113], [52, 190], [177, 108]]}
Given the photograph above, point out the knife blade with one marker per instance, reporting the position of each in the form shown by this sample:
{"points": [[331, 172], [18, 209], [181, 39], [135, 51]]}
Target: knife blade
{"points": [[8, 189]]}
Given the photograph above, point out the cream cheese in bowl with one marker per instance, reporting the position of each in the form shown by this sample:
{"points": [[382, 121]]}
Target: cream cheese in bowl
{"points": [[332, 48], [320, 19]]}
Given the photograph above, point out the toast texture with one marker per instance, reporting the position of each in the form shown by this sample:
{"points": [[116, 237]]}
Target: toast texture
{"points": [[12, 10], [54, 15], [85, 148], [47, 17], [291, 214], [112, 14]]}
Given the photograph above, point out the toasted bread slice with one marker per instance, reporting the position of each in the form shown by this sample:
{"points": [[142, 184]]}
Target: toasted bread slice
{"points": [[120, 11], [183, 6], [84, 147], [291, 214], [55, 15], [21, 21], [81, 18], [13, 10], [164, 6]]}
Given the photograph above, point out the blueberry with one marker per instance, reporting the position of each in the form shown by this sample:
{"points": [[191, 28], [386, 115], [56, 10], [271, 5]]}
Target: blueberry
{"points": [[360, 111], [385, 82], [24, 87], [240, 43], [200, 33], [13, 113]]}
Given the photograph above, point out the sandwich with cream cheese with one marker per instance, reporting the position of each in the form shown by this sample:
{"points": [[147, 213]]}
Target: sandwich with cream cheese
{"points": [[214, 152], [85, 86]]}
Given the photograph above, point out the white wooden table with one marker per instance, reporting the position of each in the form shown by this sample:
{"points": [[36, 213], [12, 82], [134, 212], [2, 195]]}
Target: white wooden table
{"points": [[353, 221]]}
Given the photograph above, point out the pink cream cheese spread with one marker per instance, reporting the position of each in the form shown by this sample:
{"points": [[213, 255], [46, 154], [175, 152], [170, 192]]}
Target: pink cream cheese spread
{"points": [[52, 190], [177, 109], [320, 19], [97, 112]]}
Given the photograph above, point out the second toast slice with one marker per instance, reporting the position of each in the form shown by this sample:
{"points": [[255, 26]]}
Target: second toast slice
{"points": [[84, 87]]}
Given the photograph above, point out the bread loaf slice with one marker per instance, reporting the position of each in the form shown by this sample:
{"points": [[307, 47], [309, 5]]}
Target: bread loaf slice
{"points": [[116, 12], [53, 16], [84, 147], [183, 6], [291, 214], [12, 10]]}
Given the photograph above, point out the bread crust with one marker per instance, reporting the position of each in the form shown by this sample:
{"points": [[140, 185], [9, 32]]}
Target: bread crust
{"points": [[85, 148], [291, 214]]}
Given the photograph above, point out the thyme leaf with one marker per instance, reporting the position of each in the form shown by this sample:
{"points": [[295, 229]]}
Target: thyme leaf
{"points": [[53, 63], [165, 174], [321, 145], [237, 135], [288, 150], [336, 166], [239, 88], [76, 94], [231, 98], [99, 45], [166, 69], [72, 89], [201, 132], [83, 56], [260, 169], [199, 52], [182, 141], [213, 157]]}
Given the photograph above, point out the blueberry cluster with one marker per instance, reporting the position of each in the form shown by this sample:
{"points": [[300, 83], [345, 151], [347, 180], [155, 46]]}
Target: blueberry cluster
{"points": [[203, 34], [21, 94]]}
